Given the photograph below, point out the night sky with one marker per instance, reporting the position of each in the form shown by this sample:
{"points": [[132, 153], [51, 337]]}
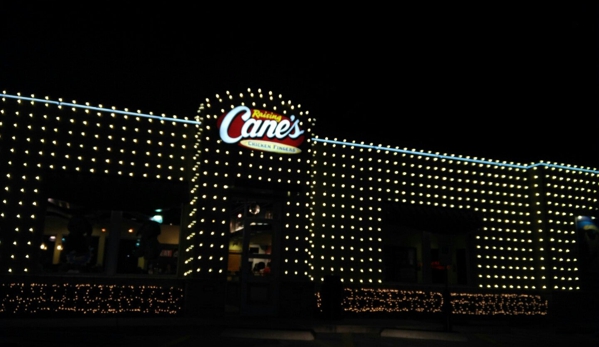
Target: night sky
{"points": [[514, 82]]}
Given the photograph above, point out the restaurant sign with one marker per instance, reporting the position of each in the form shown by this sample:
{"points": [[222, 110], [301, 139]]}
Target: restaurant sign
{"points": [[261, 130]]}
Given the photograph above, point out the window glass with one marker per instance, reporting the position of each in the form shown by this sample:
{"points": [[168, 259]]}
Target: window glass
{"points": [[83, 239], [250, 226]]}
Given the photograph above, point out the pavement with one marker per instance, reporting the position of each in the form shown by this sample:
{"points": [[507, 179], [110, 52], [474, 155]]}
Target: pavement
{"points": [[184, 331]]}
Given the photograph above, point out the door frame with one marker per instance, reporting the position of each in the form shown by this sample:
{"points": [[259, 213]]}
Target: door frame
{"points": [[259, 294]]}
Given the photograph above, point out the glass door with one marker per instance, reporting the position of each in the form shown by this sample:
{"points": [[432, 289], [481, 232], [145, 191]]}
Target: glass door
{"points": [[253, 268]]}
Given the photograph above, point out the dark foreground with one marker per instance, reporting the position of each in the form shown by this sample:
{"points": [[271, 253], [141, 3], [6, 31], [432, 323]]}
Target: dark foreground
{"points": [[371, 333]]}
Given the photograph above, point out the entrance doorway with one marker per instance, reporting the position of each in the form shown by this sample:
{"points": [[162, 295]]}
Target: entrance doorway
{"points": [[253, 261]]}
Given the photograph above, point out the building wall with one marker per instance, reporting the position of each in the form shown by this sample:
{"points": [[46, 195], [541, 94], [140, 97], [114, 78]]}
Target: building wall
{"points": [[334, 192], [223, 170], [563, 193], [43, 138], [527, 238]]}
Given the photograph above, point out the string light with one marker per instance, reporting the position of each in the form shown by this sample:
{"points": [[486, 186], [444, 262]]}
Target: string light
{"points": [[368, 300], [28, 299], [335, 193]]}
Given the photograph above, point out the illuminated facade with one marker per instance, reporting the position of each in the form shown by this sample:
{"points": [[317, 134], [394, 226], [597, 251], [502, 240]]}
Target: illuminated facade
{"points": [[263, 205]]}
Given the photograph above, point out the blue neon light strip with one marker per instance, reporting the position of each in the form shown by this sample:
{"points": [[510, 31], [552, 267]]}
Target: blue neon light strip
{"points": [[101, 109], [440, 156]]}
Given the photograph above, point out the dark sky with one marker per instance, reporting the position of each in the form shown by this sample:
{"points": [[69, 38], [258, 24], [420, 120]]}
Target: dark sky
{"points": [[515, 82]]}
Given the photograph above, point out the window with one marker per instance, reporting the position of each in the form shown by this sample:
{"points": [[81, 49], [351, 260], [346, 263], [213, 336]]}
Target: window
{"points": [[93, 224], [81, 239]]}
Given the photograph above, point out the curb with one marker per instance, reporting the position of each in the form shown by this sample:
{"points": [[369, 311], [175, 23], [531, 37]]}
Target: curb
{"points": [[269, 334], [423, 335]]}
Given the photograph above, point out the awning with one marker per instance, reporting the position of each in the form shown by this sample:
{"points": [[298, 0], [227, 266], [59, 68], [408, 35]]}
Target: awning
{"points": [[438, 220], [115, 192]]}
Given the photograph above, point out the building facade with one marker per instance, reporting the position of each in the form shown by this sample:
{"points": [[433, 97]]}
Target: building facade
{"points": [[256, 207]]}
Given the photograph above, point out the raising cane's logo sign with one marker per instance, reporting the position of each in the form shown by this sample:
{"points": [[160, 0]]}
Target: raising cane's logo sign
{"points": [[261, 130]]}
